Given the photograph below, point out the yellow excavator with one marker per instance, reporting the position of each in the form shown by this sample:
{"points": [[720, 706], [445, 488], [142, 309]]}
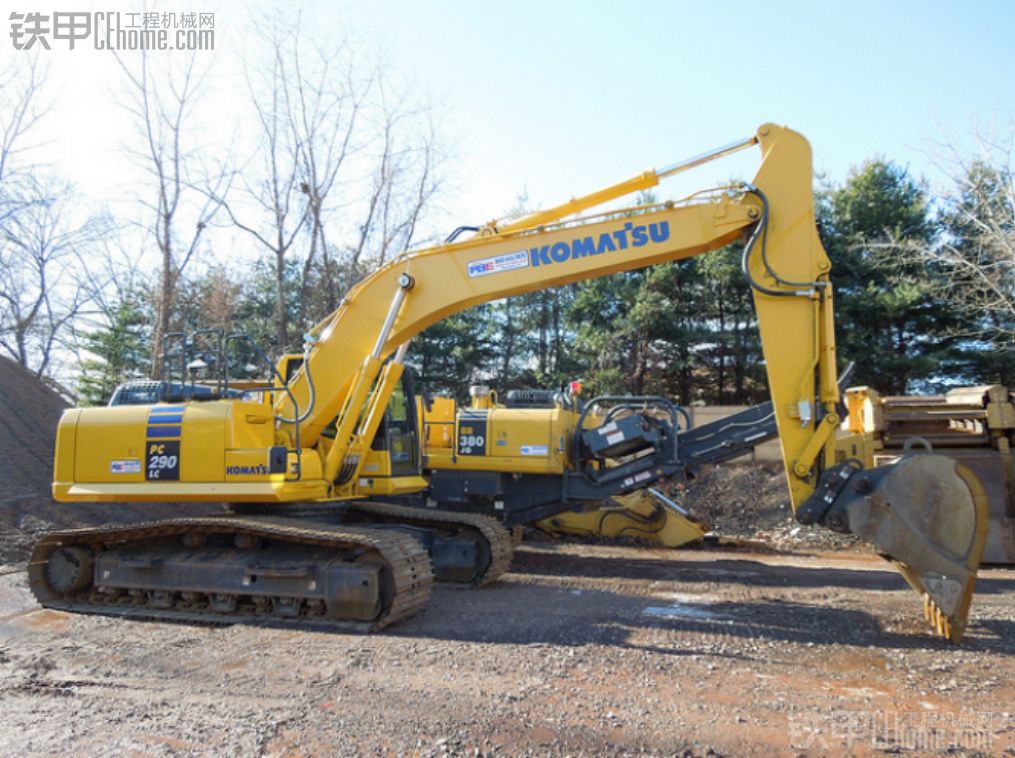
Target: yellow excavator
{"points": [[298, 459], [510, 460], [569, 466], [540, 458]]}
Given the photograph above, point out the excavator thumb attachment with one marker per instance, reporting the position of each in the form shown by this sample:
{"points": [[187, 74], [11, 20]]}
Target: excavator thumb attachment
{"points": [[927, 514], [646, 514]]}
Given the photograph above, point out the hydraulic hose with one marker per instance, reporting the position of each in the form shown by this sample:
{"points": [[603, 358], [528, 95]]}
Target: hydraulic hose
{"points": [[311, 400], [761, 233]]}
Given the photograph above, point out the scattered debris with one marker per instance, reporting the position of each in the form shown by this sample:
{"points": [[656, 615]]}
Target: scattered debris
{"points": [[743, 500]]}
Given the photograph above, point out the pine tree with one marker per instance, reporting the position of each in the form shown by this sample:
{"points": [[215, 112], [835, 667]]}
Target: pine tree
{"points": [[887, 320], [453, 353], [120, 352]]}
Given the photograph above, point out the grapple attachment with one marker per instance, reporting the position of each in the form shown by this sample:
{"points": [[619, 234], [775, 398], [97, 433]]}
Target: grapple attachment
{"points": [[927, 514]]}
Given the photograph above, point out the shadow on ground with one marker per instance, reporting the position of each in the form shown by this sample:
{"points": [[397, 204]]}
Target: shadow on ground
{"points": [[524, 611], [686, 569], [530, 607]]}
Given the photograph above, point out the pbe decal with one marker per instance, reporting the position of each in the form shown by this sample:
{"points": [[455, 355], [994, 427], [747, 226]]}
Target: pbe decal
{"points": [[258, 470], [607, 242]]}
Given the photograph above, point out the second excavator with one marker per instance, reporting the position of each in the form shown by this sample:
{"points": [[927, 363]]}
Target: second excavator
{"points": [[566, 465], [302, 547]]}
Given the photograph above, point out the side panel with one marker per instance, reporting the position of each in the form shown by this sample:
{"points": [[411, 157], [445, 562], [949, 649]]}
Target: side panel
{"points": [[472, 433], [511, 440], [528, 434], [203, 440], [109, 446], [211, 451]]}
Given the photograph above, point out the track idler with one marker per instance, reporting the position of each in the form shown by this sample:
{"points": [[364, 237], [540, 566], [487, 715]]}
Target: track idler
{"points": [[927, 514]]}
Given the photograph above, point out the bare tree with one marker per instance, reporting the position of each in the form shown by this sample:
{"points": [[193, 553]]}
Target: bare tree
{"points": [[21, 107], [971, 266], [977, 256], [345, 167], [40, 291], [391, 175], [306, 99], [42, 231], [162, 104], [404, 181], [270, 207], [111, 271], [328, 98]]}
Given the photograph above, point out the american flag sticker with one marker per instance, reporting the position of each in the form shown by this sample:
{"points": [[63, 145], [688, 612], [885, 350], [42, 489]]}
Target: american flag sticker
{"points": [[125, 466]]}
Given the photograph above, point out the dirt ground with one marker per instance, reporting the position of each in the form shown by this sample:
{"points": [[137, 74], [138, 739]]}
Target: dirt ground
{"points": [[579, 650], [791, 642]]}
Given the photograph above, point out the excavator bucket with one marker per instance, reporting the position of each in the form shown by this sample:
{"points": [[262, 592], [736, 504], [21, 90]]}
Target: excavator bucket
{"points": [[927, 514]]}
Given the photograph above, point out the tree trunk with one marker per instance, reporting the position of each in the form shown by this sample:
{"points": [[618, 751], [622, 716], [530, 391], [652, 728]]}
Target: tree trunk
{"points": [[544, 346], [509, 344], [281, 322], [721, 373], [167, 297]]}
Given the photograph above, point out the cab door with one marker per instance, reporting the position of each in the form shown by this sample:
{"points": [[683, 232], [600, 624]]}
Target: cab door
{"points": [[399, 431]]}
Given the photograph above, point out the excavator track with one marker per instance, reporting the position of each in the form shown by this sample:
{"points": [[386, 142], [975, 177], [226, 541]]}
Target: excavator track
{"points": [[498, 538], [489, 546], [61, 574]]}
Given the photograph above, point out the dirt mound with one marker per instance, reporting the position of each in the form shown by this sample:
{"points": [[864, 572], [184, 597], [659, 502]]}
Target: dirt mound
{"points": [[751, 501], [738, 499], [29, 413]]}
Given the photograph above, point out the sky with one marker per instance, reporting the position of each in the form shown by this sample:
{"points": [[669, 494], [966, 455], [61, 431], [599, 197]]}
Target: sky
{"points": [[556, 99]]}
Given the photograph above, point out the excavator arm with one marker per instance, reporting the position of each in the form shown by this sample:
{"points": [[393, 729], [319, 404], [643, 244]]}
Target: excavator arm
{"points": [[926, 513]]}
